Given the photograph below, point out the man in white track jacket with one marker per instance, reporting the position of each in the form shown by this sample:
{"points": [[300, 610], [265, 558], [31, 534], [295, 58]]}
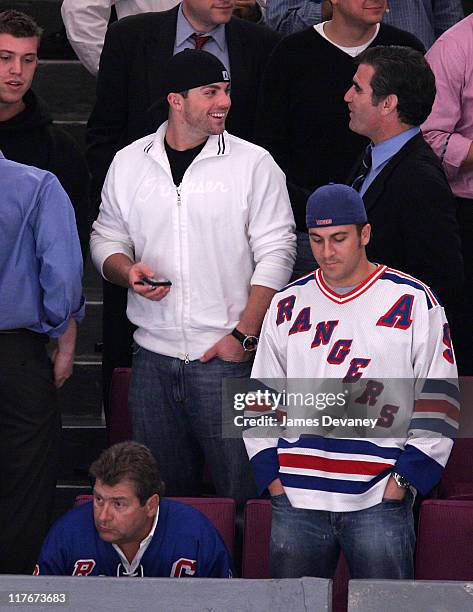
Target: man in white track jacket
{"points": [[210, 213]]}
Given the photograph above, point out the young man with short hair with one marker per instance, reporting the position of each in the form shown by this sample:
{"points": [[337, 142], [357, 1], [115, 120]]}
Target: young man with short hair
{"points": [[380, 337], [209, 213], [27, 132], [131, 79]]}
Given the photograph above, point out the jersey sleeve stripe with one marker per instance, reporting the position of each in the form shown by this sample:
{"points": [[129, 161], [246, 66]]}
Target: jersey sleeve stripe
{"points": [[442, 407], [441, 387], [425, 427]]}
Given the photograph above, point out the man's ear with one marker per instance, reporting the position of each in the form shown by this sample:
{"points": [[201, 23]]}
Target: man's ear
{"points": [[389, 104], [175, 101], [152, 504], [365, 234]]}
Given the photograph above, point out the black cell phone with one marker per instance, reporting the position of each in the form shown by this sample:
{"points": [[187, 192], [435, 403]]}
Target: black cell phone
{"points": [[158, 282]]}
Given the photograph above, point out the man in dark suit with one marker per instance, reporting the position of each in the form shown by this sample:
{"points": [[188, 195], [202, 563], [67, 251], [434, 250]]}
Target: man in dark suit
{"points": [[129, 83], [407, 197], [130, 74]]}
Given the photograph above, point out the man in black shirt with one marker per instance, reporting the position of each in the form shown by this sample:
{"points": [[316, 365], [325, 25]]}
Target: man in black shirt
{"points": [[302, 119], [27, 133]]}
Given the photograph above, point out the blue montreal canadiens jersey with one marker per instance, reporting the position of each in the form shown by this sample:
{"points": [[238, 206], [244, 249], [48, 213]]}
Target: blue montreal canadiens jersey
{"points": [[185, 543]]}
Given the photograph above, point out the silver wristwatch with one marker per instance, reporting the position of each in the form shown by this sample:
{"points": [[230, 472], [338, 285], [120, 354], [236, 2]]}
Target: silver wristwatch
{"points": [[401, 482]]}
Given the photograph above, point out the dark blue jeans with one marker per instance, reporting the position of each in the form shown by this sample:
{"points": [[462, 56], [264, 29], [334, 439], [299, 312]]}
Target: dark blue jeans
{"points": [[377, 542], [176, 410]]}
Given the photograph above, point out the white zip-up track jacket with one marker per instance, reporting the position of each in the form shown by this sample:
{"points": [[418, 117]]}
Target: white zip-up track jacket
{"points": [[228, 225]]}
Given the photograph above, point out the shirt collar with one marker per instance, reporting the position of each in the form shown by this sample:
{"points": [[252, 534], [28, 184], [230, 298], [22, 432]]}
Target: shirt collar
{"points": [[131, 567], [184, 30], [2, 156], [383, 151]]}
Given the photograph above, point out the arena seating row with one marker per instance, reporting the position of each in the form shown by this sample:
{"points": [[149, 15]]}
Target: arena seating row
{"points": [[445, 529], [444, 550]]}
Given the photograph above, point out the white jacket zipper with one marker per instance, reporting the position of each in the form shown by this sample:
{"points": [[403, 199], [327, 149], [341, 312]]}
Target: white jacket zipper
{"points": [[186, 355]]}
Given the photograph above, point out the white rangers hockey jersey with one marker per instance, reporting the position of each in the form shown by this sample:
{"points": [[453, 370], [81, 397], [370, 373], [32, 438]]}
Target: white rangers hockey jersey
{"points": [[384, 348]]}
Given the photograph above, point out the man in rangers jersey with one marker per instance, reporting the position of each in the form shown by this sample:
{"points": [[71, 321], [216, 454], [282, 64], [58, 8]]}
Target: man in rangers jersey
{"points": [[129, 531], [384, 336]]}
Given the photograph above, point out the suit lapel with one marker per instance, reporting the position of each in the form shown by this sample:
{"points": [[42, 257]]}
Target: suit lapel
{"points": [[375, 190], [160, 48], [239, 55]]}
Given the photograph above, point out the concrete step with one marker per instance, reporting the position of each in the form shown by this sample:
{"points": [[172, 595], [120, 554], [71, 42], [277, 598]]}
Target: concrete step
{"points": [[65, 496], [77, 129], [67, 88], [90, 332], [47, 13], [80, 447], [80, 398]]}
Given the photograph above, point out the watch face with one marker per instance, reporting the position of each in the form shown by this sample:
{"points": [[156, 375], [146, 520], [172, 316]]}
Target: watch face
{"points": [[250, 343]]}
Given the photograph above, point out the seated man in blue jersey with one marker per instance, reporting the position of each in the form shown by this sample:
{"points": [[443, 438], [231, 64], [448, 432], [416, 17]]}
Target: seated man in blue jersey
{"points": [[129, 530]]}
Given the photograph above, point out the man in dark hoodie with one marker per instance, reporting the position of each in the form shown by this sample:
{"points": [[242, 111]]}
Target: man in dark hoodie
{"points": [[27, 133]]}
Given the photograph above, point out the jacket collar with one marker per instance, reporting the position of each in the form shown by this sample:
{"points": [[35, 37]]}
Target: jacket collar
{"points": [[377, 186], [216, 146]]}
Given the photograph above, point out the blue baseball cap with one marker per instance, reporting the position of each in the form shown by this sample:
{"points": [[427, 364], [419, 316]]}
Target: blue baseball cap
{"points": [[335, 204]]}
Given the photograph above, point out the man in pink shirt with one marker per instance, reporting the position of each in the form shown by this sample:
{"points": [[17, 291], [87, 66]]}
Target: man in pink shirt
{"points": [[449, 131]]}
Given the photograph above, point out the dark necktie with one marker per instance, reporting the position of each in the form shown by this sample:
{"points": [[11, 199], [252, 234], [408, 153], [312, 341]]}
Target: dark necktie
{"points": [[199, 41], [364, 168]]}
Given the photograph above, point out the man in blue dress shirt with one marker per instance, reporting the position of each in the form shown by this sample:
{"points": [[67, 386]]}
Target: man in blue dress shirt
{"points": [[40, 297]]}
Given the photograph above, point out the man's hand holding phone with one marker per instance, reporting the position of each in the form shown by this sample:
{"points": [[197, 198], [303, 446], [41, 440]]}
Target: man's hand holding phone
{"points": [[142, 279]]}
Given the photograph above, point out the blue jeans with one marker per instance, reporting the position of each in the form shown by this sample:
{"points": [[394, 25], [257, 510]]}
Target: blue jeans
{"points": [[305, 262], [176, 410], [377, 542]]}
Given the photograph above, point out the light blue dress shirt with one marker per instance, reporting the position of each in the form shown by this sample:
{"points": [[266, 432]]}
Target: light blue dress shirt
{"points": [[217, 45], [40, 256], [383, 152]]}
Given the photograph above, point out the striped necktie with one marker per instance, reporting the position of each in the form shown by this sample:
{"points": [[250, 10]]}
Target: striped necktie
{"points": [[199, 41], [364, 168]]}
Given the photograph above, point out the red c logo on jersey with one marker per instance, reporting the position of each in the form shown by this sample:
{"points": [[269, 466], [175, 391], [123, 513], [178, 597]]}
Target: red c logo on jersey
{"points": [[183, 567]]}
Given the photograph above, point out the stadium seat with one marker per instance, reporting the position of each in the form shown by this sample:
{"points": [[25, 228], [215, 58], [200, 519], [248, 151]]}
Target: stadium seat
{"points": [[256, 536], [219, 510], [255, 561], [457, 479], [118, 422], [445, 540]]}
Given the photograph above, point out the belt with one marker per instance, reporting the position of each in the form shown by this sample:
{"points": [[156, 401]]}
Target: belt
{"points": [[13, 331], [24, 332]]}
